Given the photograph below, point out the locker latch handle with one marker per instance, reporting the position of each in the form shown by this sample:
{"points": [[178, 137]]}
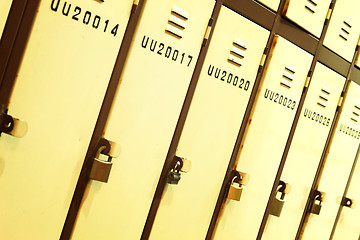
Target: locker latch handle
{"points": [[100, 170], [317, 199], [178, 165], [12, 126], [238, 181], [347, 202], [278, 203]]}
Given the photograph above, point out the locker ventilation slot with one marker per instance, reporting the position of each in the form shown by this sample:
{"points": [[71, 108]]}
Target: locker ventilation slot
{"points": [[324, 96], [355, 114], [288, 76], [177, 22], [345, 29], [311, 5], [237, 52]]}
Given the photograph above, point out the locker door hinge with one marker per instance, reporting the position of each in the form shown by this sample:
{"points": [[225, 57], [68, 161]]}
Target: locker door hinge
{"points": [[340, 101], [263, 58], [134, 6], [307, 82], [207, 32]]}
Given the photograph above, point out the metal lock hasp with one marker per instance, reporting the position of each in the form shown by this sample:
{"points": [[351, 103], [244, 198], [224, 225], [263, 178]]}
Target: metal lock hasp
{"points": [[12, 126], [278, 203], [100, 170]]}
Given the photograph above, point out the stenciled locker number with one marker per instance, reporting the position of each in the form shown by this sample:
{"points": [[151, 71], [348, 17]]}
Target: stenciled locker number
{"points": [[5, 6], [266, 137], [143, 118], [338, 163], [305, 151], [58, 92], [211, 127]]}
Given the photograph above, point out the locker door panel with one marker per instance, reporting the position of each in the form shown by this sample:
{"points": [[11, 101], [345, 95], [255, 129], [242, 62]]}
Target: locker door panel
{"points": [[5, 6], [265, 140], [344, 28], [309, 14], [58, 91], [273, 4], [337, 167], [305, 150], [348, 226], [144, 116], [211, 126]]}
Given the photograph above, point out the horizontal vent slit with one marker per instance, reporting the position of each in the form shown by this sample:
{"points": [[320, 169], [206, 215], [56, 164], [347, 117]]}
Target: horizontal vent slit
{"points": [[180, 12]]}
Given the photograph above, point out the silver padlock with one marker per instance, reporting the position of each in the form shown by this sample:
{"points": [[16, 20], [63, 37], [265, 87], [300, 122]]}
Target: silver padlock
{"points": [[276, 207], [235, 191], [278, 203], [238, 181], [319, 198], [316, 207], [100, 170]]}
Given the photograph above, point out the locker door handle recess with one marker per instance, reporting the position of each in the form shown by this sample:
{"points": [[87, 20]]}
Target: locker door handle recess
{"points": [[178, 165], [278, 203], [101, 167], [318, 198], [238, 181], [12, 126]]}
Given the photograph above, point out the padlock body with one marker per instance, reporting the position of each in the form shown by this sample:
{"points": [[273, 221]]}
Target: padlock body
{"points": [[315, 208], [100, 170], [276, 207], [174, 177], [235, 192]]}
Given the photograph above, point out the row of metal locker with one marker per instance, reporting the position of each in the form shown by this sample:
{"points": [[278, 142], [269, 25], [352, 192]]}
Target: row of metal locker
{"points": [[149, 119]]}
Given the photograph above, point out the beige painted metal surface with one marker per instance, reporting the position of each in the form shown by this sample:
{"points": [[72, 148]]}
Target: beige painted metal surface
{"points": [[305, 150], [58, 92], [337, 167], [265, 140], [143, 118], [211, 127], [272, 4], [348, 226], [309, 14], [4, 11], [344, 28]]}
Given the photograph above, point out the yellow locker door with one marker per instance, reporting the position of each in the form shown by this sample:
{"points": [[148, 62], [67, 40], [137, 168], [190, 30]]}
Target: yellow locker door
{"points": [[273, 4], [305, 151], [266, 137], [144, 115], [211, 126], [344, 28], [59, 90], [337, 167], [309, 14], [348, 226], [5, 6]]}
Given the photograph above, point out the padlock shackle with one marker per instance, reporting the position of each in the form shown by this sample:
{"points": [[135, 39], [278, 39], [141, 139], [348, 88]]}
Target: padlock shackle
{"points": [[103, 147], [178, 163], [281, 186], [235, 177]]}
